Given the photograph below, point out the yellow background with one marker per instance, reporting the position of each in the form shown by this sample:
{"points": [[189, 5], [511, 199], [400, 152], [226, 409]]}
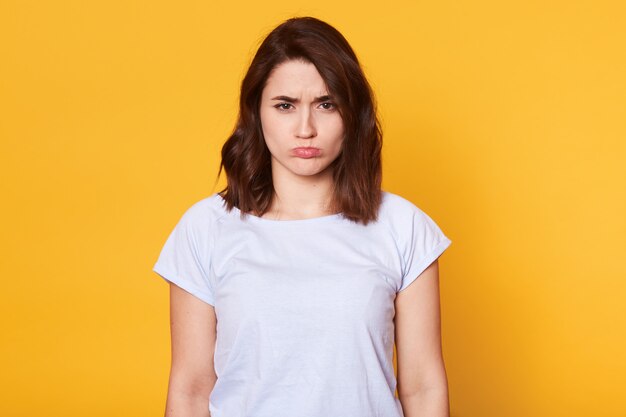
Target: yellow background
{"points": [[504, 120]]}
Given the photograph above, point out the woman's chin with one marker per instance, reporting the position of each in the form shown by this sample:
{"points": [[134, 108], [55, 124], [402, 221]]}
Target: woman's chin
{"points": [[304, 168]]}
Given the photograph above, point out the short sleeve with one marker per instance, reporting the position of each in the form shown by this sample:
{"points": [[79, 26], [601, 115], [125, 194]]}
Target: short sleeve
{"points": [[423, 243], [185, 258]]}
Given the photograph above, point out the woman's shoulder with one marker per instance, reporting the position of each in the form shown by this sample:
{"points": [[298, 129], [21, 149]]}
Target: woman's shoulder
{"points": [[401, 214], [205, 211], [395, 204]]}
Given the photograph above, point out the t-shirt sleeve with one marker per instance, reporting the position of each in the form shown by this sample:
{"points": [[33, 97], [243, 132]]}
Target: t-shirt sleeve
{"points": [[423, 243], [184, 259]]}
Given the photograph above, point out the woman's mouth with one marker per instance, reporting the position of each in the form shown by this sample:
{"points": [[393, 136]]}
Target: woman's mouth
{"points": [[308, 152]]}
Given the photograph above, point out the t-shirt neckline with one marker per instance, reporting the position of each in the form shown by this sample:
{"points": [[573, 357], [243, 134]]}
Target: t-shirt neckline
{"points": [[261, 220]]}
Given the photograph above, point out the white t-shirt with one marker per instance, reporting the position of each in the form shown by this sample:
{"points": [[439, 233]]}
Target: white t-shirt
{"points": [[304, 308]]}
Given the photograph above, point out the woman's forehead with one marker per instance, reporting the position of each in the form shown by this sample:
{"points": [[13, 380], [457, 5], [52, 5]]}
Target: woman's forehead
{"points": [[295, 78]]}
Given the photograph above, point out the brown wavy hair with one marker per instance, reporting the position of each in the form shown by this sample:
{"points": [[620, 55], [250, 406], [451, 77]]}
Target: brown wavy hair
{"points": [[357, 171]]}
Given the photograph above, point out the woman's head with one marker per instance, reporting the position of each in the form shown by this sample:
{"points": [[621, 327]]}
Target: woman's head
{"points": [[303, 43], [302, 126]]}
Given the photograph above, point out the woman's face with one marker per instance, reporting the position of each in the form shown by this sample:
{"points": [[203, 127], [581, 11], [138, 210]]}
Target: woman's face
{"points": [[302, 126]]}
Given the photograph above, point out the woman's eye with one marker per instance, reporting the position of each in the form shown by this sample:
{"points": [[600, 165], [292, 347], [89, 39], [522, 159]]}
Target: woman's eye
{"points": [[283, 106], [328, 106]]}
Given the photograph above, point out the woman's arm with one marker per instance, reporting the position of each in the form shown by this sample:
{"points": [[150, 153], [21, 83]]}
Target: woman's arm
{"points": [[192, 375], [422, 381]]}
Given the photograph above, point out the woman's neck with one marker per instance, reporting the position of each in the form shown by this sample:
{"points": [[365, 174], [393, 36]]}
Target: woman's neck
{"points": [[301, 197]]}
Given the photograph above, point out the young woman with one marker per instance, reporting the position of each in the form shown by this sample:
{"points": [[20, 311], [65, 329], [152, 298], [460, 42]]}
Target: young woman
{"points": [[290, 287]]}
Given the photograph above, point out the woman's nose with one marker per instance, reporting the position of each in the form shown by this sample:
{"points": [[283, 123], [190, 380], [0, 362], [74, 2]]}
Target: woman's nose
{"points": [[306, 126]]}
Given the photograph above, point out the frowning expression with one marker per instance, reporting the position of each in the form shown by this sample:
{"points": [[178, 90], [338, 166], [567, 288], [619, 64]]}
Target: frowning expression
{"points": [[301, 124]]}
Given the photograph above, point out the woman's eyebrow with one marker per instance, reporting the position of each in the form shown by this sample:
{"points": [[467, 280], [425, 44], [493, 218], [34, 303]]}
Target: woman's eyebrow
{"points": [[296, 100]]}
